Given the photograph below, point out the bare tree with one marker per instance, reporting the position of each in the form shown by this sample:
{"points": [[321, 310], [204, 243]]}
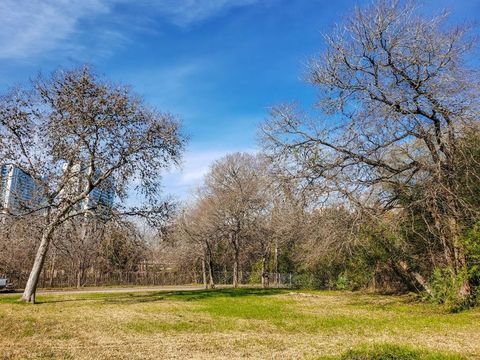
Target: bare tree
{"points": [[234, 187], [396, 94], [18, 240], [79, 240], [121, 246], [195, 225], [73, 133]]}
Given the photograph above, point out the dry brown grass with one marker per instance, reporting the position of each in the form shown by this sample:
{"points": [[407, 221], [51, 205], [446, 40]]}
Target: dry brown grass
{"points": [[225, 324]]}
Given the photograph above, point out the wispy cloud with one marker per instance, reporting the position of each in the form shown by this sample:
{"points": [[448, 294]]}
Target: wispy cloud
{"points": [[179, 183], [167, 80], [29, 28], [196, 164], [177, 86], [187, 12]]}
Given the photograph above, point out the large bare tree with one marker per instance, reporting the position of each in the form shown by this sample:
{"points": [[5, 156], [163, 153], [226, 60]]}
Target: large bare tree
{"points": [[396, 96], [235, 189], [197, 225], [74, 132]]}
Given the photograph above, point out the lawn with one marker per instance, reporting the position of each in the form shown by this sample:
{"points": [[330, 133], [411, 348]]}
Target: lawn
{"points": [[231, 324]]}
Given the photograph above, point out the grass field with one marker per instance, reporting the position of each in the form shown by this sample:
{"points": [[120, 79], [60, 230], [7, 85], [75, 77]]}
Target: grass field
{"points": [[231, 324]]}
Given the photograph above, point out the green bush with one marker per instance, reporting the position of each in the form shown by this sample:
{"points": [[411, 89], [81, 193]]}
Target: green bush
{"points": [[342, 282], [256, 273], [471, 241], [446, 285], [304, 281]]}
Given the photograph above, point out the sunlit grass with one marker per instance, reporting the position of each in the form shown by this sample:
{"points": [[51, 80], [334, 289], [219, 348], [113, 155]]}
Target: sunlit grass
{"points": [[232, 323], [391, 352]]}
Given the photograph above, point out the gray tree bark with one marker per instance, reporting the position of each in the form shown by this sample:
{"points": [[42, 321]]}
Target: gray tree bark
{"points": [[204, 274], [264, 272], [32, 283]]}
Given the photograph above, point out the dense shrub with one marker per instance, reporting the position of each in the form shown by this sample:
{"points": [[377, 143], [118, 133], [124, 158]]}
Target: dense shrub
{"points": [[471, 241], [446, 285]]}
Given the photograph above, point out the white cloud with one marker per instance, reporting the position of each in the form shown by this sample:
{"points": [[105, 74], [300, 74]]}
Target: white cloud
{"points": [[187, 12], [171, 87], [196, 164], [179, 182], [32, 27], [168, 81]]}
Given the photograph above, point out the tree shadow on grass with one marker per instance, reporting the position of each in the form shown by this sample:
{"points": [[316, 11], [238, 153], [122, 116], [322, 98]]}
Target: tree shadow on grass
{"points": [[192, 295], [145, 297]]}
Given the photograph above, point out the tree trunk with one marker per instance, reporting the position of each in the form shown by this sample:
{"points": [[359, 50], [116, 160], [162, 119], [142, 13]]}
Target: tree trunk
{"points": [[235, 272], [275, 262], [264, 272], [79, 279], [458, 251], [32, 283], [52, 271], [418, 278], [465, 291], [204, 274], [445, 243], [211, 282], [236, 256]]}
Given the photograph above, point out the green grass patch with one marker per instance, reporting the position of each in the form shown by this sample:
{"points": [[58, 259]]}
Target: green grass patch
{"points": [[395, 352]]}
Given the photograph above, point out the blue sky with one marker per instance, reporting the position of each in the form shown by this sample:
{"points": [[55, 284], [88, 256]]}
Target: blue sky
{"points": [[217, 64]]}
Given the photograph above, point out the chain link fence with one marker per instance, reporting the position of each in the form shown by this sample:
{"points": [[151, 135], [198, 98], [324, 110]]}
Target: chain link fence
{"points": [[92, 278]]}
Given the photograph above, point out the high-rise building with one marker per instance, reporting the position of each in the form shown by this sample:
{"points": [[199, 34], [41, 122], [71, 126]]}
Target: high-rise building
{"points": [[17, 189], [100, 198], [19, 192]]}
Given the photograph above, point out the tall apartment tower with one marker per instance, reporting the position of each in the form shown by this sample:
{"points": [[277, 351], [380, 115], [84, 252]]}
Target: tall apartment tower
{"points": [[17, 189], [100, 199]]}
